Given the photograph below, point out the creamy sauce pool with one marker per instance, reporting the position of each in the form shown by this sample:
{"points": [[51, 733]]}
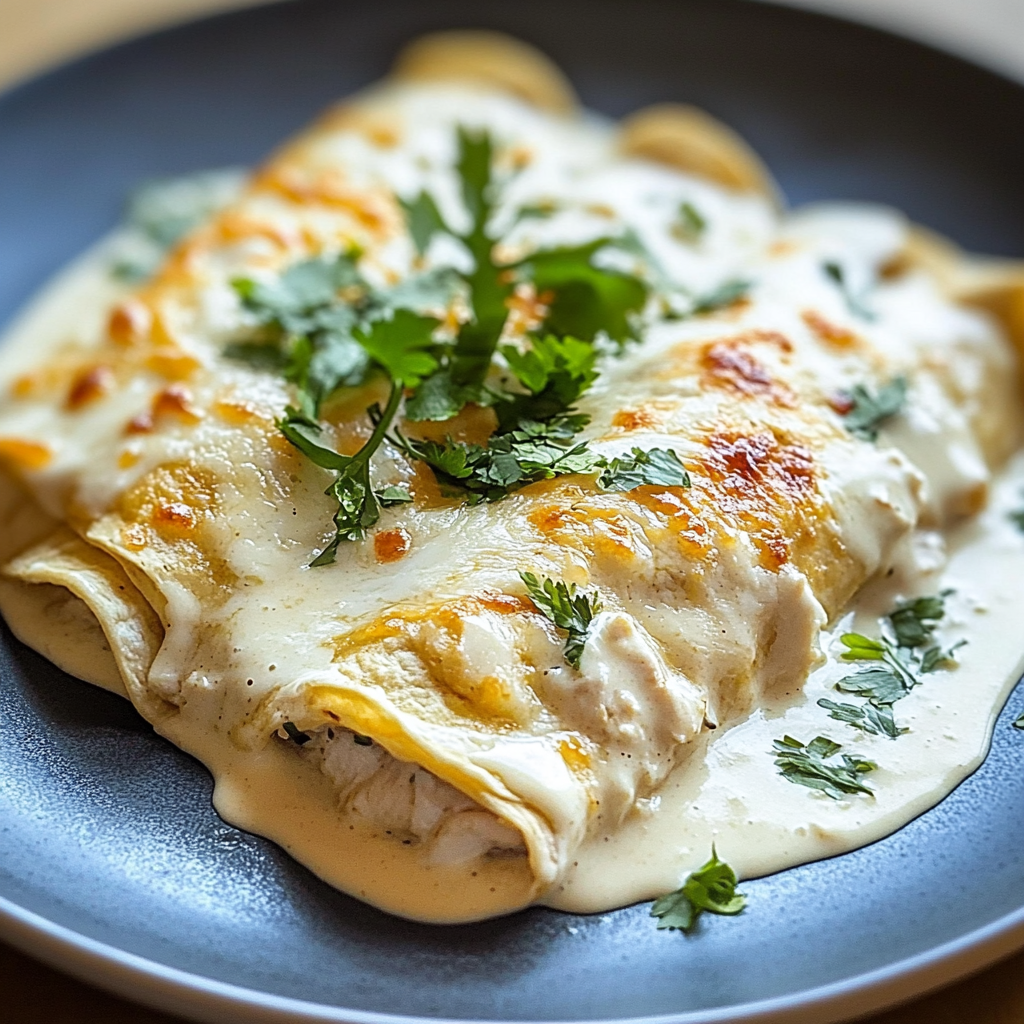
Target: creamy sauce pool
{"points": [[726, 790]]}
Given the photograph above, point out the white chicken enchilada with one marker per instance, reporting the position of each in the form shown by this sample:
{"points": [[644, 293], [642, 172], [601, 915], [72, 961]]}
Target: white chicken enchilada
{"points": [[512, 507]]}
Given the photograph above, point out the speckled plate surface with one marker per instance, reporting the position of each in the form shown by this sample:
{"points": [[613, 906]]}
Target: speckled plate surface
{"points": [[113, 864]]}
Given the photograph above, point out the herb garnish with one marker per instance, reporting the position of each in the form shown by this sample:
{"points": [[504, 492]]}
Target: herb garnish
{"points": [[808, 766], [855, 304], [867, 717], [323, 327], [585, 299], [901, 657], [359, 504], [711, 887], [1017, 517], [568, 609], [722, 297], [690, 225], [161, 212], [868, 412], [1019, 723]]}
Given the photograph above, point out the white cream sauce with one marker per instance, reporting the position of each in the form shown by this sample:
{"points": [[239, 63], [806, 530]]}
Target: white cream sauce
{"points": [[725, 789]]}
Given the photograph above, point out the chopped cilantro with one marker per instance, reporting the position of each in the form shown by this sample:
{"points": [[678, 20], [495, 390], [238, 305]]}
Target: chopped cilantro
{"points": [[424, 220], [585, 299], [855, 304], [711, 887], [555, 371], [867, 717], [161, 212], [903, 656], [869, 412], [811, 765], [722, 297], [531, 452], [690, 225], [657, 467], [1017, 518], [358, 504], [566, 608]]}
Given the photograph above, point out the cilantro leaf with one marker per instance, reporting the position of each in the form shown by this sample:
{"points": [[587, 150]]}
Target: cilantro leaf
{"points": [[424, 220], [568, 609], [531, 452], [657, 467], [722, 297], [904, 658], [811, 765], [867, 717], [914, 622], [855, 304], [882, 686], [690, 225], [401, 345], [711, 888], [869, 412], [358, 504], [555, 371], [587, 299]]}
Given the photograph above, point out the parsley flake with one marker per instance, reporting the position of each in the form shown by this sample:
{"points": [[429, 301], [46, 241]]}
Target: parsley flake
{"points": [[358, 503], [656, 467], [854, 303], [710, 888], [722, 297], [869, 412], [690, 224], [903, 656], [878, 721], [568, 609], [811, 765]]}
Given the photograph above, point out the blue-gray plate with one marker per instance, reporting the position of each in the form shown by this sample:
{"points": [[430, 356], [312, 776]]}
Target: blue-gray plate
{"points": [[113, 864]]}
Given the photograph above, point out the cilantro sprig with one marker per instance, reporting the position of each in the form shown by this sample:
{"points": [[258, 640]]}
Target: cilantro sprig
{"points": [[585, 299], [562, 604], [711, 888], [531, 452], [323, 327], [690, 224], [904, 653], [813, 765], [534, 452], [868, 412], [359, 504], [854, 303], [878, 721]]}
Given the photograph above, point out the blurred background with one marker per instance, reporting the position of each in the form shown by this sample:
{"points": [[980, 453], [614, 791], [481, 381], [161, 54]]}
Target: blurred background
{"points": [[36, 33]]}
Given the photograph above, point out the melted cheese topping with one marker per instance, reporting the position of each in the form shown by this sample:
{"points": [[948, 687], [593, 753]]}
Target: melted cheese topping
{"points": [[498, 775]]}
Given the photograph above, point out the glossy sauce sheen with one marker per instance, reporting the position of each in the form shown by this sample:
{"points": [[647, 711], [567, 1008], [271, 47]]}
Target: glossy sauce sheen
{"points": [[226, 653]]}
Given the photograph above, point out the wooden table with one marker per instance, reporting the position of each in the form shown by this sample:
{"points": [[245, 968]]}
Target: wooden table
{"points": [[36, 33]]}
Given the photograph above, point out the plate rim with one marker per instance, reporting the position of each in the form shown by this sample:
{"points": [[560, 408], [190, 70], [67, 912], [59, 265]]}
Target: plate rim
{"points": [[173, 990]]}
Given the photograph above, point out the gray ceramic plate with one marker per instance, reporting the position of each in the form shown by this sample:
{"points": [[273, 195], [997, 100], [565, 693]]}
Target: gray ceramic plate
{"points": [[113, 864]]}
